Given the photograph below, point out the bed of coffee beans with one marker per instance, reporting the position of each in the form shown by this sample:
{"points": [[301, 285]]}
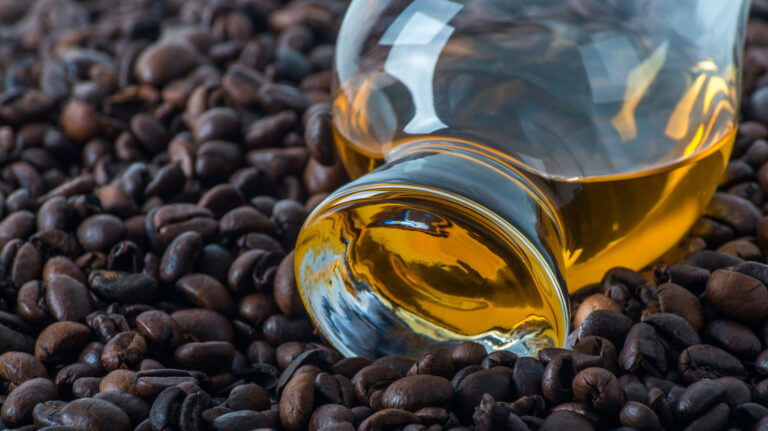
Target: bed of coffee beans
{"points": [[157, 159]]}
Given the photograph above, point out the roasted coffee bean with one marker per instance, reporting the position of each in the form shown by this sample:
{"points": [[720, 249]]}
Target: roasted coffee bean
{"points": [[94, 413], [607, 324], [205, 356], [203, 325], [61, 340], [164, 224], [711, 260], [566, 420], [698, 398], [100, 232], [206, 292], [297, 400], [68, 299], [72, 372], [643, 348], [247, 420], [499, 358], [123, 287], [527, 376], [328, 415], [106, 325], [248, 397], [18, 367], [690, 277], [678, 300], [495, 381], [415, 392], [61, 265], [598, 388], [592, 303], [86, 387], [48, 413], [18, 406], [152, 382], [163, 61], [639, 416], [124, 350], [675, 330], [91, 354], [436, 362], [734, 337], [119, 380], [737, 296], [279, 329], [136, 408], [159, 329], [704, 361]]}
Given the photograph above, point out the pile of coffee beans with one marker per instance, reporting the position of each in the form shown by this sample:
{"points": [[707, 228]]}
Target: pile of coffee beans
{"points": [[157, 159]]}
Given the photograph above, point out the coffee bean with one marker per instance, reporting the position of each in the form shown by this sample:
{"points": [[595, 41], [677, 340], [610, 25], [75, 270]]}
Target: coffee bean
{"points": [[678, 300], [495, 381], [203, 325], [330, 414], [123, 287], [246, 420], [100, 232], [158, 328], [217, 124], [415, 392], [48, 413], [17, 408], [388, 418], [607, 324], [167, 222], [436, 362], [566, 420], [637, 415], [94, 413], [205, 356], [704, 361], [737, 296], [734, 337], [119, 380], [136, 408], [206, 292], [149, 383], [68, 298], [163, 61], [124, 350], [179, 257], [18, 367], [61, 340]]}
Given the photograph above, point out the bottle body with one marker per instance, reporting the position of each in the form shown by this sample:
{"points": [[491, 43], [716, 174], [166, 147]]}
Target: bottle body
{"points": [[618, 116]]}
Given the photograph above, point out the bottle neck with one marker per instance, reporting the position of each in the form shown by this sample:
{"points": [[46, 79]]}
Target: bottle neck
{"points": [[513, 234]]}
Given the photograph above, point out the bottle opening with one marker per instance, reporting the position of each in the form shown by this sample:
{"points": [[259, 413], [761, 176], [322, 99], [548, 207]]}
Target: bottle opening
{"points": [[396, 269]]}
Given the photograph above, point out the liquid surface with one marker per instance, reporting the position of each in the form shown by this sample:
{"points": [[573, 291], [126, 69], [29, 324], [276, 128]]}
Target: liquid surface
{"points": [[442, 271]]}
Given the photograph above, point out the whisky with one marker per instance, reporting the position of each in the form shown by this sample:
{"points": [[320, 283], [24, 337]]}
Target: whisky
{"points": [[504, 155]]}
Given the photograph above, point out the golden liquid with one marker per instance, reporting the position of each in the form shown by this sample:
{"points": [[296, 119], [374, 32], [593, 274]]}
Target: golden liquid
{"points": [[442, 270], [621, 220]]}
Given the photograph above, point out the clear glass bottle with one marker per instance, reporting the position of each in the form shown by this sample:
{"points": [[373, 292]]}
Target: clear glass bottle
{"points": [[517, 146]]}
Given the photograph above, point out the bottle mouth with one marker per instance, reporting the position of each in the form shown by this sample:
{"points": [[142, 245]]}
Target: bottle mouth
{"points": [[390, 268]]}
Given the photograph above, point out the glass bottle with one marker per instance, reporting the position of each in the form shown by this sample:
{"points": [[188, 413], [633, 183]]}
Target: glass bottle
{"points": [[506, 149]]}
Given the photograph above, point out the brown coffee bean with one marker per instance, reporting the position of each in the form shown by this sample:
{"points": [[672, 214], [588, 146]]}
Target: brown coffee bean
{"points": [[643, 348], [415, 392], [737, 212], [18, 406], [279, 329], [179, 257], [494, 381], [297, 400], [166, 60], [247, 420], [734, 337], [94, 413], [330, 414], [386, 418], [106, 325], [159, 329], [18, 367], [119, 380], [592, 303], [704, 361], [61, 340], [737, 296], [72, 372], [150, 383], [257, 307], [48, 414], [468, 353], [85, 387], [206, 292], [204, 325], [124, 350], [566, 420], [675, 330], [698, 398], [123, 287], [607, 324], [136, 408], [678, 300], [217, 124], [68, 298], [100, 232], [690, 277], [167, 222], [436, 362], [61, 265], [598, 388], [80, 121], [254, 269], [205, 356], [24, 262], [19, 224], [285, 290], [639, 416]]}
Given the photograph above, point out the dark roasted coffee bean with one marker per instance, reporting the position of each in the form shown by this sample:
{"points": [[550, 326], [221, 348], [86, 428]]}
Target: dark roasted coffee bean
{"points": [[643, 348], [204, 325], [18, 406], [248, 397], [599, 388], [704, 361], [737, 296], [566, 420], [279, 329], [711, 260], [100, 232], [68, 298], [163, 61], [296, 401], [436, 362], [136, 408], [678, 300], [61, 340], [330, 414], [499, 358], [48, 413], [495, 381], [151, 382], [415, 392], [167, 222], [690, 277], [246, 420], [388, 418], [124, 350], [166, 408], [86, 387], [557, 379], [18, 367], [734, 337], [123, 287], [607, 324], [205, 356], [699, 398], [206, 292], [639, 416], [526, 377], [72, 372]]}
